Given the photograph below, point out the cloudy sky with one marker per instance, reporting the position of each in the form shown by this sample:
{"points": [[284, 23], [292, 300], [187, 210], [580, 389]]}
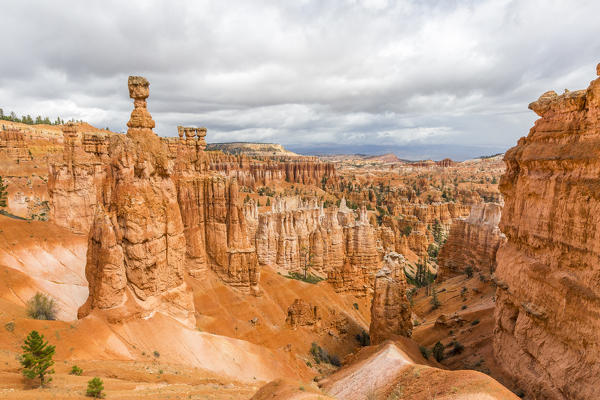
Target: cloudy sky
{"points": [[420, 78]]}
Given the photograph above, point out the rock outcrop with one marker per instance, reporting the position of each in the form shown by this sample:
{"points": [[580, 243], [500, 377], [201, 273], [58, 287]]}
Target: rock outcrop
{"points": [[390, 309], [298, 234], [74, 180], [301, 313], [548, 298], [136, 254], [253, 173], [473, 242]]}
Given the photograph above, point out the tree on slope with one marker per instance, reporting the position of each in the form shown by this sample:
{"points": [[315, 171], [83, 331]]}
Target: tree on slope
{"points": [[3, 194], [37, 358]]}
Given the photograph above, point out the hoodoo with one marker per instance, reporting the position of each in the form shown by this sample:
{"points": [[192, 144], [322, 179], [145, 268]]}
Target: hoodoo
{"points": [[548, 298], [390, 309], [136, 254]]}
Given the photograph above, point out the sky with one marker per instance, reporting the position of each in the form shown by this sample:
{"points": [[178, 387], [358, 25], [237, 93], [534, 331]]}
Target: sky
{"points": [[422, 79]]}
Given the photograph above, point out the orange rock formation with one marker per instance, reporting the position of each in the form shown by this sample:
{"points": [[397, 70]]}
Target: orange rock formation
{"points": [[548, 296], [135, 261], [390, 309], [473, 242]]}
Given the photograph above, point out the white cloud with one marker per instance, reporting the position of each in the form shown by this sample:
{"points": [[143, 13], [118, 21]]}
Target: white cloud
{"points": [[348, 71]]}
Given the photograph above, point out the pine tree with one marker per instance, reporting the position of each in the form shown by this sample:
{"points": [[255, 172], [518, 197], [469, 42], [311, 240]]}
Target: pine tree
{"points": [[438, 351], [435, 303], [95, 388], [3, 194], [37, 358]]}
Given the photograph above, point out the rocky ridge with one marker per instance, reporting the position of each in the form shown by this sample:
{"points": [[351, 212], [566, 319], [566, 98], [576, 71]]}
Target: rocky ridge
{"points": [[548, 296]]}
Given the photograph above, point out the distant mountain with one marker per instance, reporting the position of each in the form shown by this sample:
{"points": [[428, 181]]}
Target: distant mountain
{"points": [[252, 149], [407, 152]]}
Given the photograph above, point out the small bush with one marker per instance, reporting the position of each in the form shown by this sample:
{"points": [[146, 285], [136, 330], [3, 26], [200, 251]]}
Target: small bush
{"points": [[438, 351], [363, 338], [464, 307], [355, 305], [9, 326], [424, 351], [300, 277], [335, 361], [475, 322], [75, 370], [320, 355], [95, 388], [457, 348], [41, 306], [469, 271], [156, 354]]}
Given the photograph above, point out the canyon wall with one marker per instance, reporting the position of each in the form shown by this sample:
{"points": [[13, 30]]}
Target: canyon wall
{"points": [[261, 172], [472, 241], [548, 274], [390, 309], [298, 234]]}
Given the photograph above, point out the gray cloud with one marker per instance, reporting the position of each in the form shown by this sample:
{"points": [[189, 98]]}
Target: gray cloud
{"points": [[309, 74]]}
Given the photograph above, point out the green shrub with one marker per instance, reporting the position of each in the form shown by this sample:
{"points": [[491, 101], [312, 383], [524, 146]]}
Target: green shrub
{"points": [[300, 277], [469, 271], [75, 370], [95, 388], [41, 306], [457, 348], [363, 338], [156, 354], [320, 355], [424, 351], [355, 305], [475, 322], [9, 326], [435, 302], [438, 351]]}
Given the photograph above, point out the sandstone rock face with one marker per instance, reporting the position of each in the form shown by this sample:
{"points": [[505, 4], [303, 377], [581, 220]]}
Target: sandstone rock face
{"points": [[301, 313], [296, 234], [135, 262], [390, 309], [254, 173], [361, 259], [473, 242], [74, 180], [548, 298]]}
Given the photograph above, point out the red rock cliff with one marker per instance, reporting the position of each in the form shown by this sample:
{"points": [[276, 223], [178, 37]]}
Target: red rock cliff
{"points": [[390, 309], [472, 241], [548, 274]]}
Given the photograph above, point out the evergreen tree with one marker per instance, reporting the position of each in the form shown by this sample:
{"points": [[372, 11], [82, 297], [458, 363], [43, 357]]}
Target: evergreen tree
{"points": [[95, 388], [435, 303], [3, 194], [37, 358], [438, 351]]}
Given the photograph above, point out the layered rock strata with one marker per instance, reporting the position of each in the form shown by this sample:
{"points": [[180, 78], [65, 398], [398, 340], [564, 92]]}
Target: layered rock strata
{"points": [[548, 273], [472, 242], [159, 213], [390, 309], [297, 235], [136, 253]]}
